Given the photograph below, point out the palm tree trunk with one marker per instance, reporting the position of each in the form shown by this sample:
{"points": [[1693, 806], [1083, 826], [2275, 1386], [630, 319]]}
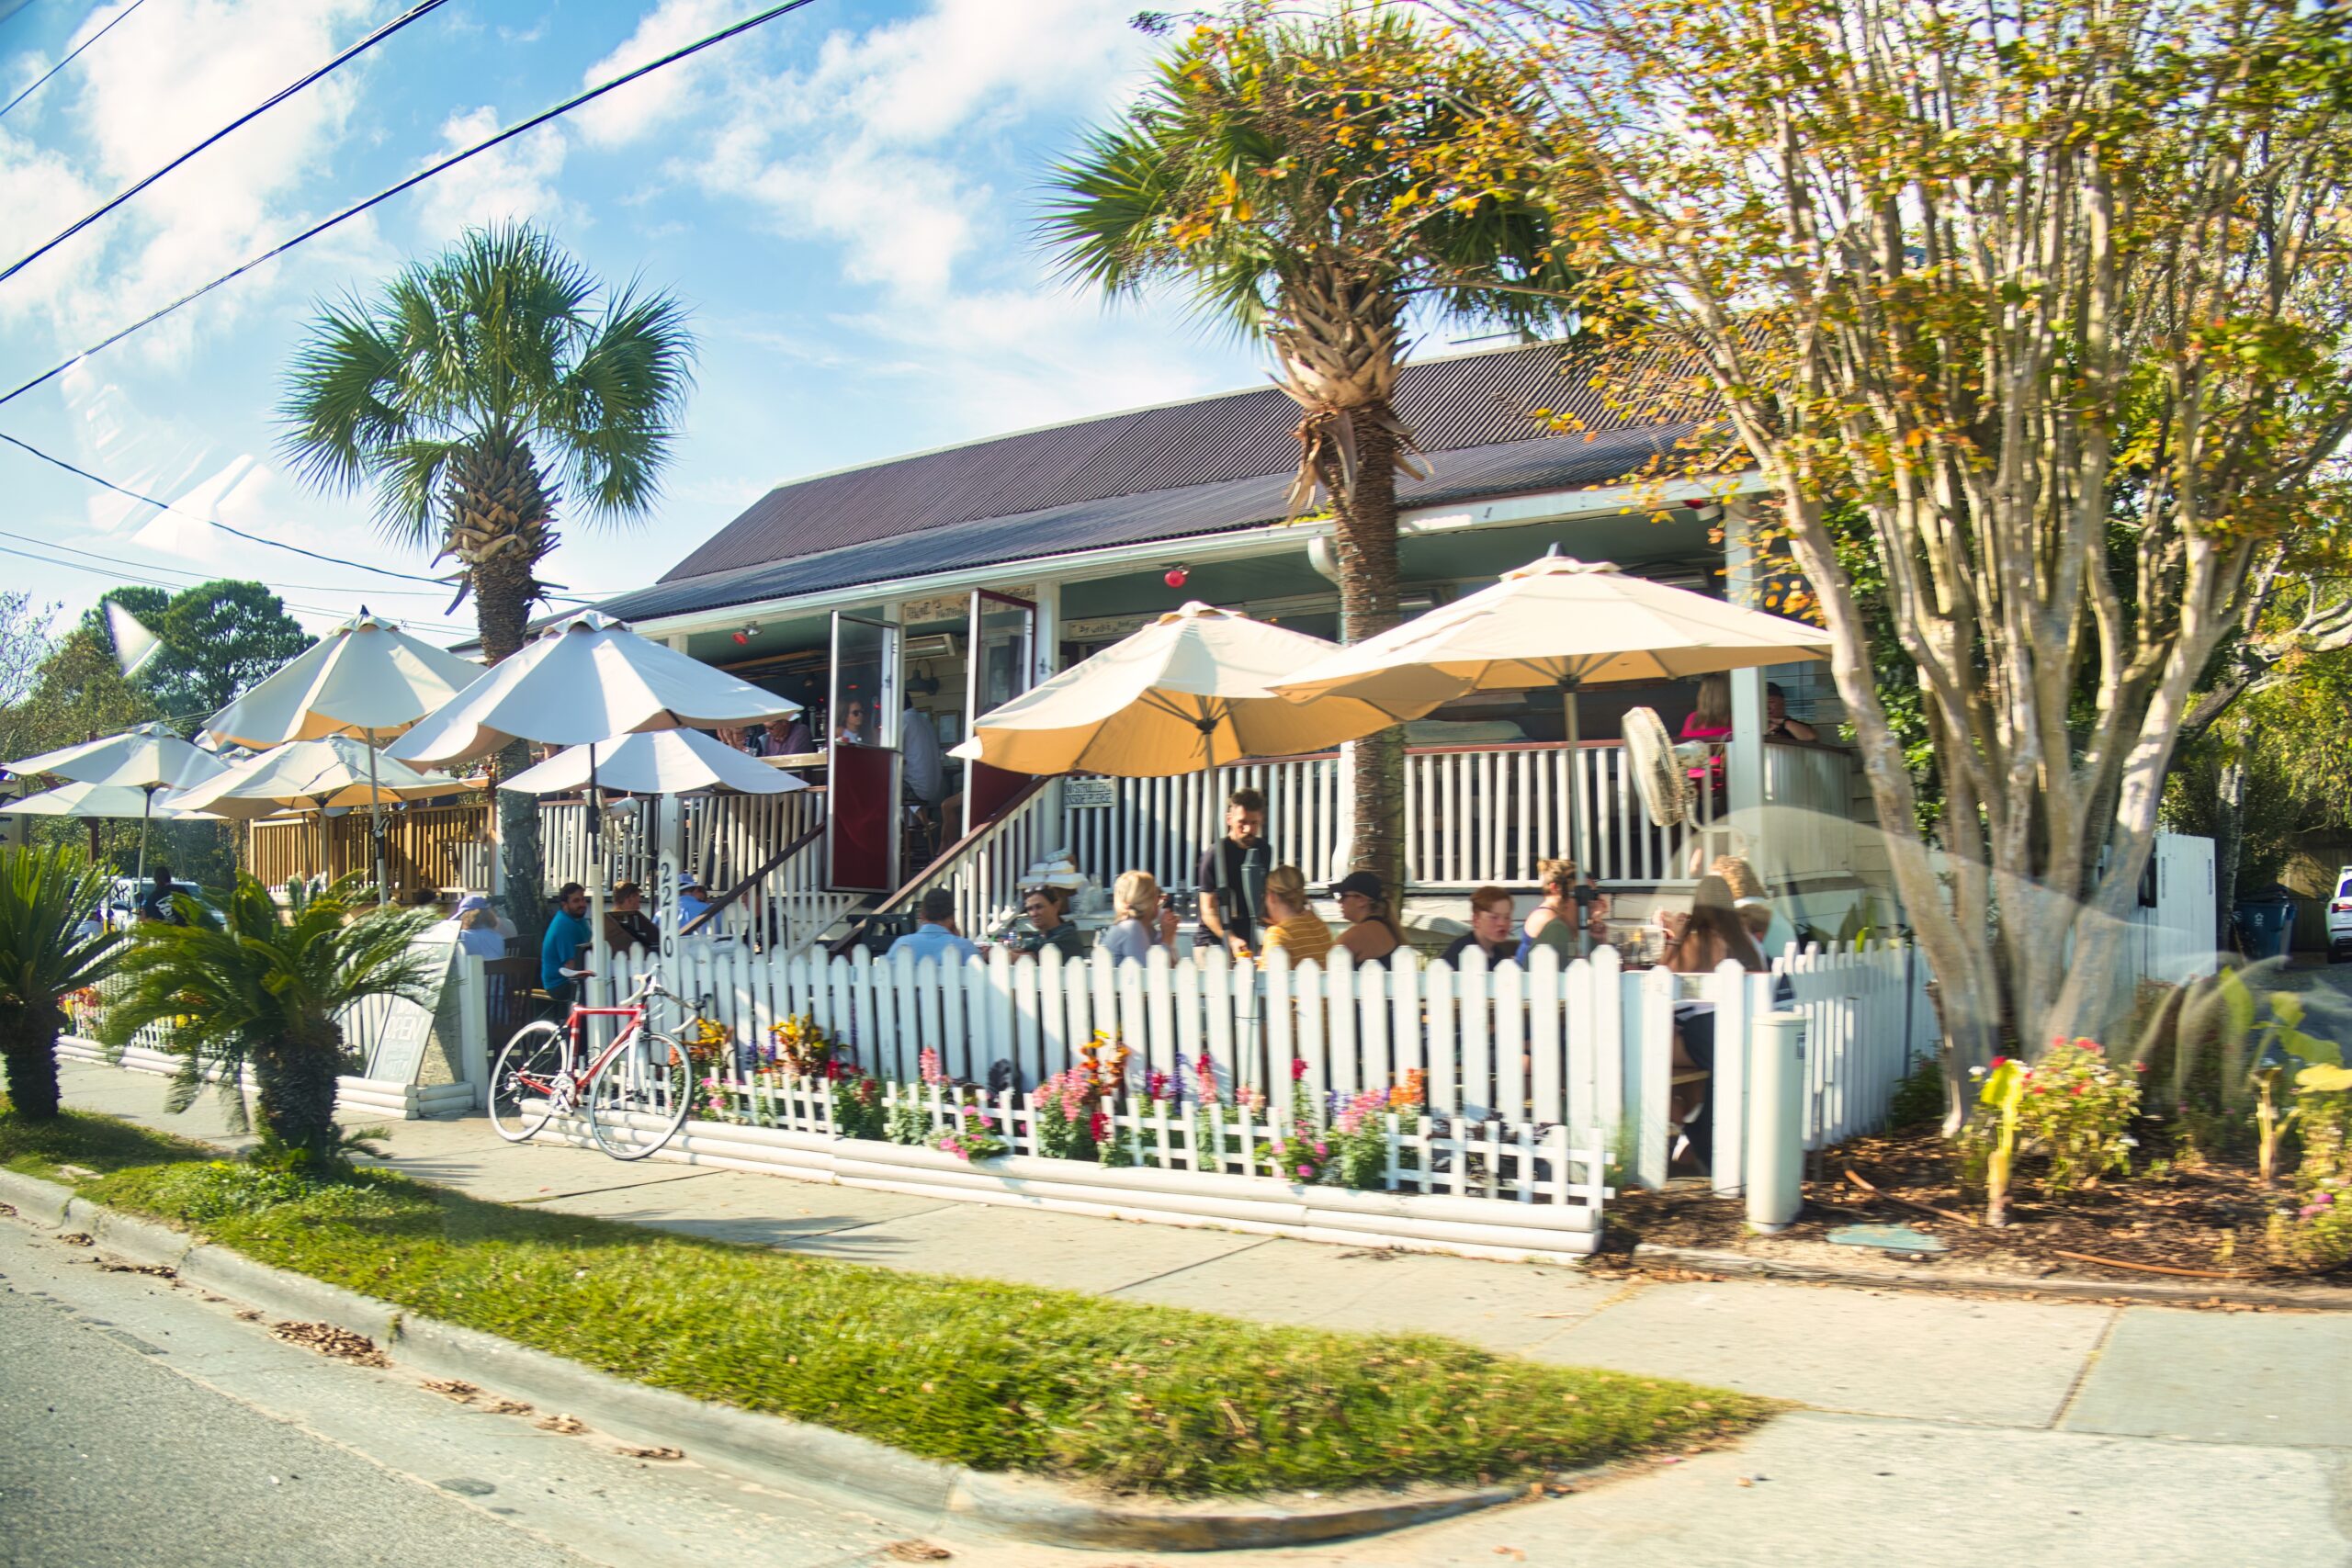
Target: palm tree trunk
{"points": [[28, 1047], [296, 1085], [499, 510], [1365, 542]]}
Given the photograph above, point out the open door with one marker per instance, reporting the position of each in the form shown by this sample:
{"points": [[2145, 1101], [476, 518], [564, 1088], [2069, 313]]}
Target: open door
{"points": [[862, 776], [1004, 633]]}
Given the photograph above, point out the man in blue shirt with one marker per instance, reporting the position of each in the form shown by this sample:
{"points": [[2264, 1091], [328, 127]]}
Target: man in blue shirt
{"points": [[567, 934], [694, 901], [935, 937]]}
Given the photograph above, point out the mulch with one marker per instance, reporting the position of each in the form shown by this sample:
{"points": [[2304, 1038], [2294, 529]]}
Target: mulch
{"points": [[2197, 1221]]}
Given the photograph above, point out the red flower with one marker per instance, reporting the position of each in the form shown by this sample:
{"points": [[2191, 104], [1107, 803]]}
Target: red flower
{"points": [[1297, 1068], [1997, 1063], [2079, 1087], [2139, 1067]]}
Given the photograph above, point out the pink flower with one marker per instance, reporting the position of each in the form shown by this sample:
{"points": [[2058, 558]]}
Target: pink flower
{"points": [[1305, 1172], [2322, 1198]]}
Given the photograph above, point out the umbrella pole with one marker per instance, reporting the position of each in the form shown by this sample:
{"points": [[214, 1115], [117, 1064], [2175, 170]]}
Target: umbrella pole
{"points": [[1569, 684], [146, 806], [375, 822], [596, 991]]}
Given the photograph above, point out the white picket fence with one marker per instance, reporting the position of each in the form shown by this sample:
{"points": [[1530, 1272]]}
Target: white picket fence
{"points": [[1586, 1046]]}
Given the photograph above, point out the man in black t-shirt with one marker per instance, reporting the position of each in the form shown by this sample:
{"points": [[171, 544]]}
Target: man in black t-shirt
{"points": [[1232, 877], [158, 904]]}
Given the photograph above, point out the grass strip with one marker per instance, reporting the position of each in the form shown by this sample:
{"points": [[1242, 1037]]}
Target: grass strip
{"points": [[994, 1376]]}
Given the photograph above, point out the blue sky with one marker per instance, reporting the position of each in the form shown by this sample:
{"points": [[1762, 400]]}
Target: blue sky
{"points": [[844, 198]]}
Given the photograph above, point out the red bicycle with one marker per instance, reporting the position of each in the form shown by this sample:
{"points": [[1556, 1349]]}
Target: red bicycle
{"points": [[635, 1092]]}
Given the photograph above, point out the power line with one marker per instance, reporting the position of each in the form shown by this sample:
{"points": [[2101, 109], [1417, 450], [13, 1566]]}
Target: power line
{"points": [[211, 576], [271, 102], [69, 60], [121, 574], [439, 584], [517, 129]]}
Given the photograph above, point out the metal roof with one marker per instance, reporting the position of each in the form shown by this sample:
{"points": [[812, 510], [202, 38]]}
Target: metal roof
{"points": [[1459, 474], [1468, 401]]}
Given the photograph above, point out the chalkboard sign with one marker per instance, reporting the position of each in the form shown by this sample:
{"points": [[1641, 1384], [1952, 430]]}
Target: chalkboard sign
{"points": [[395, 1031]]}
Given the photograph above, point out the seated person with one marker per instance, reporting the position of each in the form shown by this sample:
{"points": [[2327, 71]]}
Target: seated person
{"points": [[1144, 922], [1047, 908], [934, 935], [1697, 943], [1491, 912], [694, 901], [1371, 934], [1553, 922], [1773, 934], [1292, 925], [566, 938], [478, 934], [626, 925]]}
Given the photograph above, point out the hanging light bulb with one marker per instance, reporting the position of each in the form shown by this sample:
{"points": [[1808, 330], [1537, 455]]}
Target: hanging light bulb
{"points": [[1177, 576]]}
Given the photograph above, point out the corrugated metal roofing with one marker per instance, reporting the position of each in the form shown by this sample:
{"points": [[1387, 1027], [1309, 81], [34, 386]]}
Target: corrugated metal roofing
{"points": [[1470, 400], [1464, 474]]}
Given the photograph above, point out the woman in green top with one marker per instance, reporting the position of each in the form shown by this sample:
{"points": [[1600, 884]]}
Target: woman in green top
{"points": [[1045, 908]]}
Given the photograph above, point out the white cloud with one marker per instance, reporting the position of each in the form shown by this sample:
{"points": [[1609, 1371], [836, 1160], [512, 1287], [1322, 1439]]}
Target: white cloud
{"points": [[658, 100], [512, 181]]}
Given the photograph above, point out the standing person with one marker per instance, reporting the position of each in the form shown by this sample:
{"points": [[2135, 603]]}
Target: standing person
{"points": [[559, 950], [1778, 725], [626, 924], [1292, 923], [1233, 875], [1144, 920], [1373, 933], [1554, 922], [1490, 922], [922, 766]]}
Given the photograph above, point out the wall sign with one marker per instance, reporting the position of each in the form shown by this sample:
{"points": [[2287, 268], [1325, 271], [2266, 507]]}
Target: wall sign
{"points": [[1089, 794]]}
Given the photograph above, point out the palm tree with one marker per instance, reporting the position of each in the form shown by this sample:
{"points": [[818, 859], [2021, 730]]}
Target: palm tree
{"points": [[260, 986], [475, 394], [1318, 180], [45, 895]]}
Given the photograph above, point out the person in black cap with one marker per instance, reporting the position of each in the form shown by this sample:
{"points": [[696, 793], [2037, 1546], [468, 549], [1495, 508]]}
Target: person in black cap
{"points": [[1373, 933]]}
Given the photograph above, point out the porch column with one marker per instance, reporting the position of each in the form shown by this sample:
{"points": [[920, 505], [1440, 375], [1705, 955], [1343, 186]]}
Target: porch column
{"points": [[1045, 663], [1744, 775]]}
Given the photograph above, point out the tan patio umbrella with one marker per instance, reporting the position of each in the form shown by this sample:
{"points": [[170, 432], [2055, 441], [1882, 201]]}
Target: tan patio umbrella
{"points": [[100, 803], [146, 757], [311, 775], [1192, 691], [1559, 622], [365, 678], [585, 682]]}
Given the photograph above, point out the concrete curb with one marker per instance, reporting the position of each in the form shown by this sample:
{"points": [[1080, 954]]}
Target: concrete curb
{"points": [[768, 1449], [2316, 1298]]}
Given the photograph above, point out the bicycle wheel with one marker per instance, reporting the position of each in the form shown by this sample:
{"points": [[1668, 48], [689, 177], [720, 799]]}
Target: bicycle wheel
{"points": [[640, 1099], [533, 1077]]}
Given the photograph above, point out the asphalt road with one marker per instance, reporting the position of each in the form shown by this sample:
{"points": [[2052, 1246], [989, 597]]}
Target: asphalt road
{"points": [[142, 1426]]}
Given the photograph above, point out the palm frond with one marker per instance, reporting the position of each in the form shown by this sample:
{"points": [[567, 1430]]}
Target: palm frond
{"points": [[45, 895]]}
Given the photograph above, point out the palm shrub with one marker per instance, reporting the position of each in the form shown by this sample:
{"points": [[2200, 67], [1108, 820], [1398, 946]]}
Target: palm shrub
{"points": [[45, 895], [262, 986]]}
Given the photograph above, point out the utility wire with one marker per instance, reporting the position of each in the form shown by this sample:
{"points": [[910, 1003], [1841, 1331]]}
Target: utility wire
{"points": [[267, 104], [517, 129], [123, 575], [69, 60], [210, 576]]}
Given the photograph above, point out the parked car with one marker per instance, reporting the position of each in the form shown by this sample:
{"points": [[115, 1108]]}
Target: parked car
{"points": [[2339, 918]]}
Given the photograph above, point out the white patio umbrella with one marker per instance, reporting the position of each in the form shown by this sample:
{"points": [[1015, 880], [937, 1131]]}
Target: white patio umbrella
{"points": [[585, 682], [312, 775], [99, 801], [1559, 622], [146, 757], [657, 762], [1192, 691], [365, 678]]}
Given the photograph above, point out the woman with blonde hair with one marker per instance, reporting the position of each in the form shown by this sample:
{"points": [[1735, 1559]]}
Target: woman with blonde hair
{"points": [[1144, 920], [1292, 923], [1553, 924]]}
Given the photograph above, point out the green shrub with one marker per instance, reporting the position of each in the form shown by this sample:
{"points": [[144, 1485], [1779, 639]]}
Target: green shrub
{"points": [[1920, 1097]]}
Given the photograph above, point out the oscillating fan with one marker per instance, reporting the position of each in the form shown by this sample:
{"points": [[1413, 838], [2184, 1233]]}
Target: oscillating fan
{"points": [[1657, 774]]}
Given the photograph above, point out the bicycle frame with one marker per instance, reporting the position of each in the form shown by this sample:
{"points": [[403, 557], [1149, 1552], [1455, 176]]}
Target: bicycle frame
{"points": [[637, 1009]]}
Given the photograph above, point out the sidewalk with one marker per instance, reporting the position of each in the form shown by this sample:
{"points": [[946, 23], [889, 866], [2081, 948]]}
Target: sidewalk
{"points": [[1939, 1430]]}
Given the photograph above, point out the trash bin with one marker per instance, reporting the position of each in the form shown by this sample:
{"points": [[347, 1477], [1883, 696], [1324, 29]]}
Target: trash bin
{"points": [[2266, 925]]}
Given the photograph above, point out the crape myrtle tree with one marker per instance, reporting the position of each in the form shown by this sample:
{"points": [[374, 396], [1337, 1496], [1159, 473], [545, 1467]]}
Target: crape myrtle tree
{"points": [[2053, 302], [1319, 178]]}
